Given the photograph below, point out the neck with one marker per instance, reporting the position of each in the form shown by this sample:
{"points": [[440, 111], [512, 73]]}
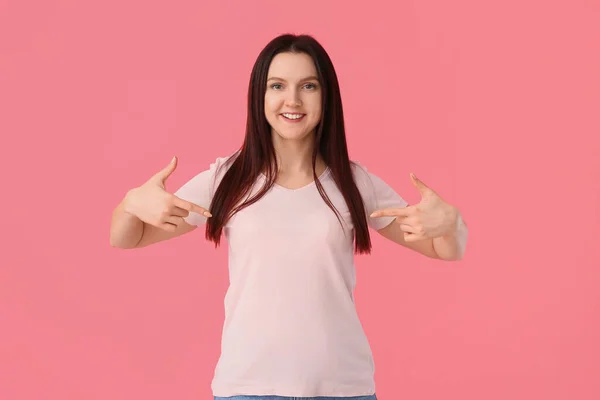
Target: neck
{"points": [[295, 156]]}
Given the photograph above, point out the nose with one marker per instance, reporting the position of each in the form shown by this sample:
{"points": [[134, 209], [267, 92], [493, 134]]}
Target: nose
{"points": [[292, 99]]}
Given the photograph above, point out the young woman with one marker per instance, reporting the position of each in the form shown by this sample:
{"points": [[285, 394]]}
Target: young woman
{"points": [[294, 209]]}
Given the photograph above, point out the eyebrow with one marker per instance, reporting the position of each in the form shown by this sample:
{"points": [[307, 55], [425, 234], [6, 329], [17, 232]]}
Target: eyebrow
{"points": [[302, 80]]}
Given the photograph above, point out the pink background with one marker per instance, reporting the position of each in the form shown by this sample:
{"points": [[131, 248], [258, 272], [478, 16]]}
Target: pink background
{"points": [[495, 106]]}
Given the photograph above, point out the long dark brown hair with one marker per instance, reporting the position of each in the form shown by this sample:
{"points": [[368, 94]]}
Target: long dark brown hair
{"points": [[257, 153]]}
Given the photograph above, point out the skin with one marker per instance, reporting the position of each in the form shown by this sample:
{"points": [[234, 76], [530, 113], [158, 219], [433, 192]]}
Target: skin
{"points": [[293, 87], [432, 227], [429, 228]]}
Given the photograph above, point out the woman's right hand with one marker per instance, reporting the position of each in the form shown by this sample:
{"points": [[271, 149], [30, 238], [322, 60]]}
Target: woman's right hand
{"points": [[152, 203]]}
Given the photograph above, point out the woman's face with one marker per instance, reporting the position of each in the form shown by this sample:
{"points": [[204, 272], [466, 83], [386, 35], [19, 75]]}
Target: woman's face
{"points": [[293, 96]]}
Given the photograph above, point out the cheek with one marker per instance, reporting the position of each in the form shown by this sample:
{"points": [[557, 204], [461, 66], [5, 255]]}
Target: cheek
{"points": [[271, 103], [271, 110], [316, 110], [315, 105]]}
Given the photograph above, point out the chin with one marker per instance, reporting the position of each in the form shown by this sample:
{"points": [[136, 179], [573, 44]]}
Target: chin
{"points": [[288, 134]]}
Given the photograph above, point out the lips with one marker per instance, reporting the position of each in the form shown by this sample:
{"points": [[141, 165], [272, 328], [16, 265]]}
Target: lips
{"points": [[292, 117]]}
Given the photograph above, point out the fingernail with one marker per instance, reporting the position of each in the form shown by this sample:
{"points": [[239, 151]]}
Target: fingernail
{"points": [[207, 214], [374, 214]]}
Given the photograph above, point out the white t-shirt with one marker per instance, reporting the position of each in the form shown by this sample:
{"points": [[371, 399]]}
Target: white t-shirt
{"points": [[291, 327]]}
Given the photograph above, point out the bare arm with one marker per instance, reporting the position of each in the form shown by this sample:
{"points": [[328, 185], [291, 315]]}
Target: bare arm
{"points": [[432, 227], [128, 231], [149, 214], [450, 247], [394, 233]]}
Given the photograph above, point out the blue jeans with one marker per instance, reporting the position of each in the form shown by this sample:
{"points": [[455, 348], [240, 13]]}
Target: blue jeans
{"points": [[243, 397]]}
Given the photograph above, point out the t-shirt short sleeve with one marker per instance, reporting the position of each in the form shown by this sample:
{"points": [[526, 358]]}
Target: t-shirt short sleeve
{"points": [[376, 195], [201, 188]]}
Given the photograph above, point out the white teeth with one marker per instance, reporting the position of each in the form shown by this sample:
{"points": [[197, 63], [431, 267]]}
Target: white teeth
{"points": [[293, 116]]}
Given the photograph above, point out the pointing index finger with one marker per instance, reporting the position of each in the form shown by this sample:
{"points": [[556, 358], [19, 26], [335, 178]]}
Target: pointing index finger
{"points": [[192, 207], [392, 212]]}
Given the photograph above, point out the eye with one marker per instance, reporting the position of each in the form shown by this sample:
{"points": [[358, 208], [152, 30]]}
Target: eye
{"points": [[276, 86], [310, 86]]}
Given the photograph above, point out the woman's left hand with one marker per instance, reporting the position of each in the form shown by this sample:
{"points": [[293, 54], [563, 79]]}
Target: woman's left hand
{"points": [[432, 217]]}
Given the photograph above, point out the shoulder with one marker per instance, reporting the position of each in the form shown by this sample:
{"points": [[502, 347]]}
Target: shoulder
{"points": [[222, 164], [371, 185], [217, 168], [206, 180], [359, 171], [362, 176]]}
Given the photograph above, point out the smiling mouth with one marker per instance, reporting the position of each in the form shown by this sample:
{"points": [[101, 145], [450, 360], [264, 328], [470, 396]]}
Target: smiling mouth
{"points": [[293, 117]]}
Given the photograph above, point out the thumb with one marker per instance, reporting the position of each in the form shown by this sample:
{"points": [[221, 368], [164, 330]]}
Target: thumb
{"points": [[423, 188], [167, 171]]}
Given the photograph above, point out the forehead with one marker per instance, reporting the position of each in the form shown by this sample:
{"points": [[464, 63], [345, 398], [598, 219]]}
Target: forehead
{"points": [[292, 66]]}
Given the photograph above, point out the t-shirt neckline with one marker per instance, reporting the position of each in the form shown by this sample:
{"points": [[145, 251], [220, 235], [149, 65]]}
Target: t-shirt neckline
{"points": [[321, 177]]}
